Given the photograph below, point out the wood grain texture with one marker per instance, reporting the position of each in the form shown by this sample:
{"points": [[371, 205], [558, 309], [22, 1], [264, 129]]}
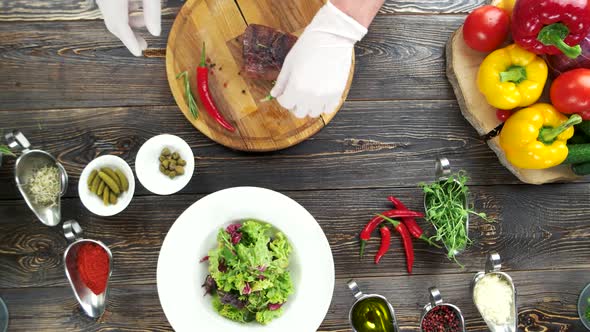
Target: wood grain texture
{"points": [[80, 64], [537, 228], [546, 306], [430, 6], [260, 126], [66, 10], [368, 145], [75, 91], [462, 68], [48, 10]]}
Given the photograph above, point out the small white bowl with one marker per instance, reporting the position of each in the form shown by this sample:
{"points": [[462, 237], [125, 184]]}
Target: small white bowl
{"points": [[147, 164], [94, 203]]}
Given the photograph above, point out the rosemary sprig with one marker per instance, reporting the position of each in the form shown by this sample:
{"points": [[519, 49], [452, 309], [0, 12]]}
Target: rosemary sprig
{"points": [[446, 210], [6, 150], [192, 105], [267, 98]]}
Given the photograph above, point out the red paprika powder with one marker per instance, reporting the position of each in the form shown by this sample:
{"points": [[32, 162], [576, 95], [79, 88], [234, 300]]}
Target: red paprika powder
{"points": [[93, 266]]}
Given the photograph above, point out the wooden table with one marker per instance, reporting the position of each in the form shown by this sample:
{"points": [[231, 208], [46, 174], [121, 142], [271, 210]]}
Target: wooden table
{"points": [[75, 91]]}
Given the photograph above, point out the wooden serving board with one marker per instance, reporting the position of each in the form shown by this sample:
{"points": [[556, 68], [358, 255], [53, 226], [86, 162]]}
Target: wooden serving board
{"points": [[462, 68], [260, 126]]}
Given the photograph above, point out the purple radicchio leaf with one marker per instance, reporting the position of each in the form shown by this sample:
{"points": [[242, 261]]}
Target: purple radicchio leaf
{"points": [[261, 277], [210, 285], [261, 268], [231, 299], [233, 228], [222, 267], [236, 237], [247, 290], [204, 259], [274, 306]]}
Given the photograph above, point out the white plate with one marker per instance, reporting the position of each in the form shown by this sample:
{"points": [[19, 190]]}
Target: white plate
{"points": [[94, 203], [147, 164], [180, 275]]}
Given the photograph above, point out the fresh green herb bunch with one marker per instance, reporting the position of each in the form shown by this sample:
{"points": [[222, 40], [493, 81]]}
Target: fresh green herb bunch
{"points": [[6, 150], [446, 210]]}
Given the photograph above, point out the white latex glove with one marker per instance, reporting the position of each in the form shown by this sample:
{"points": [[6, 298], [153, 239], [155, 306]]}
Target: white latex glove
{"points": [[119, 23], [316, 70]]}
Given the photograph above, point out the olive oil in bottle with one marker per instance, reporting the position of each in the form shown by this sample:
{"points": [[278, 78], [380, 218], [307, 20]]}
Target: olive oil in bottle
{"points": [[372, 315]]}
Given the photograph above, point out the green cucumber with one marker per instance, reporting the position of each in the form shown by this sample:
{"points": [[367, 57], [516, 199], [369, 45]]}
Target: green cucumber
{"points": [[581, 169], [585, 127], [579, 138], [578, 154]]}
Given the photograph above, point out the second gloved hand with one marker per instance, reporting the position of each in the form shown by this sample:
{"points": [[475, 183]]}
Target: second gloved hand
{"points": [[316, 70], [119, 23]]}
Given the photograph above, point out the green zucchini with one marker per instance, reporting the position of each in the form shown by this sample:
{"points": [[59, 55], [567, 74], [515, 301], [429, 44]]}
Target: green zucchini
{"points": [[578, 154], [581, 169]]}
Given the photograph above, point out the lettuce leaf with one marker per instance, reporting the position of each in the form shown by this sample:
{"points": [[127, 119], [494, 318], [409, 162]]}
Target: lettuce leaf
{"points": [[251, 271]]}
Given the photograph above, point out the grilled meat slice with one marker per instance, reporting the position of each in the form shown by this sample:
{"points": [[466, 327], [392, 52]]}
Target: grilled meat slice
{"points": [[264, 51]]}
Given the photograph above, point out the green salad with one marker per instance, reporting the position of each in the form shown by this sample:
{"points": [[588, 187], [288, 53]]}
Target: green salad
{"points": [[248, 272]]}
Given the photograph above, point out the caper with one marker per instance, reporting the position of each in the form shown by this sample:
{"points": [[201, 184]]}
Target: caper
{"points": [[167, 172], [166, 163], [175, 156], [165, 152], [172, 174], [172, 165], [162, 168], [181, 162], [162, 158], [179, 170]]}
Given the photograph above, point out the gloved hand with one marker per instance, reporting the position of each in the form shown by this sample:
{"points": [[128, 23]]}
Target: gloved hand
{"points": [[316, 70], [119, 23]]}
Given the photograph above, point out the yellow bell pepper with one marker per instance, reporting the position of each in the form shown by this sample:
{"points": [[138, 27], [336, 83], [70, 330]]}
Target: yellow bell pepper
{"points": [[512, 77], [507, 5], [536, 137]]}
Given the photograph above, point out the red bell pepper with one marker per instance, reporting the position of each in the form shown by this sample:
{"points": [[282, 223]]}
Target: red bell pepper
{"points": [[551, 26]]}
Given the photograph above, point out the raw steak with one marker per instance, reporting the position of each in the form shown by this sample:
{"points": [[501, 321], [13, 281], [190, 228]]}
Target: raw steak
{"points": [[264, 51]]}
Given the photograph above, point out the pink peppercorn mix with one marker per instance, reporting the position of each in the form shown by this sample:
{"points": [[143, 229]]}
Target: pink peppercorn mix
{"points": [[441, 318]]}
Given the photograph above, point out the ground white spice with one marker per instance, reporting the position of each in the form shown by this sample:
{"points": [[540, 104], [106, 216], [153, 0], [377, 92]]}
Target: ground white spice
{"points": [[493, 297]]}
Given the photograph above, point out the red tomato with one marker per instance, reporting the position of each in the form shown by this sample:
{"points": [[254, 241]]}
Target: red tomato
{"points": [[570, 92], [503, 115], [486, 28]]}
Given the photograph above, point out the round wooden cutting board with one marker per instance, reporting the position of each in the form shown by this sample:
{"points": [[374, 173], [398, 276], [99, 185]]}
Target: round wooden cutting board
{"points": [[260, 126]]}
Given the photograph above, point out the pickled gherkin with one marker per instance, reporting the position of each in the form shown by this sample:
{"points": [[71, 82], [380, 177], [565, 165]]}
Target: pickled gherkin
{"points": [[108, 184]]}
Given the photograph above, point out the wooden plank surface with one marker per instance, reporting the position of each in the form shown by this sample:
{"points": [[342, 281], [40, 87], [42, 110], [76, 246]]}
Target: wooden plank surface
{"points": [[546, 306], [372, 144], [72, 64], [49, 10], [534, 226], [76, 91]]}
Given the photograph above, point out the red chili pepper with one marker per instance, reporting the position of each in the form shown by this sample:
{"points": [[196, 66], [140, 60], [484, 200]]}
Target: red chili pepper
{"points": [[371, 225], [406, 239], [411, 223], [385, 243], [205, 94]]}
